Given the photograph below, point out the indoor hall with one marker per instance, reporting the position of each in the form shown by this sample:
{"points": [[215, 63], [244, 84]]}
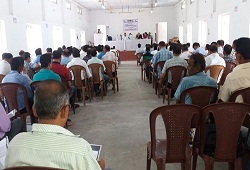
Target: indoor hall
{"points": [[120, 121]]}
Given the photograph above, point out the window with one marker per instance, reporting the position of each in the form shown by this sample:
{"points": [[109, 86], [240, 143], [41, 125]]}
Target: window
{"points": [[68, 5], [223, 30], [57, 37], [34, 37], [73, 37], [183, 5], [189, 33], [79, 10], [3, 42], [203, 32], [181, 33], [54, 1], [83, 38]]}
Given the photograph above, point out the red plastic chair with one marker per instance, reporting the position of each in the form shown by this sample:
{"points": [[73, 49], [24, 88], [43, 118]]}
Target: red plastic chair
{"points": [[10, 91], [228, 118], [155, 73], [178, 120], [215, 71], [200, 95], [177, 73], [112, 75], [229, 68]]}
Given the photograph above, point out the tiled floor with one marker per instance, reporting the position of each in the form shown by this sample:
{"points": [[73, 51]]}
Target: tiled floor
{"points": [[120, 122]]}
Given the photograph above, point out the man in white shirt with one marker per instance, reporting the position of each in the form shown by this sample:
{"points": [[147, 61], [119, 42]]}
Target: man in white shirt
{"points": [[139, 49], [214, 58], [198, 49], [220, 44], [185, 53], [5, 63], [49, 144], [110, 56]]}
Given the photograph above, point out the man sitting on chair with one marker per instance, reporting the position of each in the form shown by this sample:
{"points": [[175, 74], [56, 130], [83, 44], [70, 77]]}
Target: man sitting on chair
{"points": [[49, 144], [197, 77]]}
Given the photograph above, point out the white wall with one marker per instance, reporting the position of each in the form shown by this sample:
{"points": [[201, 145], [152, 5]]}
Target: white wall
{"points": [[210, 10], [47, 15], [146, 20]]}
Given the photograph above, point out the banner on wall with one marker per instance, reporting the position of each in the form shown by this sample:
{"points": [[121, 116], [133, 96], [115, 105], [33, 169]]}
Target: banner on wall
{"points": [[130, 24]]}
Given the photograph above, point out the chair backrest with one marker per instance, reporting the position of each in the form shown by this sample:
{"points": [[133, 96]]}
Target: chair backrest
{"points": [[31, 168], [178, 120], [228, 119], [215, 71], [139, 55], [77, 72], [1, 77], [145, 62], [229, 68], [200, 95], [34, 85], [10, 92], [95, 69], [109, 65], [177, 73], [244, 93], [160, 64]]}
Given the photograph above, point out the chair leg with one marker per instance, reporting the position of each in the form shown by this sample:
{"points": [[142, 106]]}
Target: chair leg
{"points": [[113, 84], [245, 159], [148, 160], [141, 73], [194, 159], [83, 96], [101, 86], [160, 164], [209, 164], [163, 95], [117, 84], [169, 96], [237, 164]]}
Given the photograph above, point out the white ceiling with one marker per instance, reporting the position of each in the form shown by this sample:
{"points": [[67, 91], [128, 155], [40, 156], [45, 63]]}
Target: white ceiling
{"points": [[119, 4]]}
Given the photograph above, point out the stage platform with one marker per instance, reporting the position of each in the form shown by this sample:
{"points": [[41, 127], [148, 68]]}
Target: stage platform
{"points": [[127, 55]]}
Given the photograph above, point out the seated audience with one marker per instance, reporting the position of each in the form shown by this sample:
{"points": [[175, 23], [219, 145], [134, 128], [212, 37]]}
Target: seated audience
{"points": [[46, 73], [79, 62], [147, 54], [100, 51], [139, 49], [15, 76], [49, 50], [198, 49], [5, 63], [220, 44], [49, 144], [155, 49], [110, 56], [88, 56], [38, 55], [227, 54], [185, 53], [65, 57], [8, 129], [197, 77], [94, 60], [83, 51], [214, 58]]}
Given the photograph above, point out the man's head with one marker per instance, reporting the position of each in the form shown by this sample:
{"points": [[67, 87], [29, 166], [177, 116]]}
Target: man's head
{"points": [[227, 49], [106, 48], [88, 51], [196, 64], [93, 52], [56, 55], [49, 50], [66, 52], [45, 60], [148, 49], [184, 48], [76, 53], [26, 57], [162, 44], [139, 45], [213, 49], [220, 43], [7, 57], [38, 51], [17, 64], [242, 48], [196, 45], [188, 44], [51, 106], [21, 53], [177, 49]]}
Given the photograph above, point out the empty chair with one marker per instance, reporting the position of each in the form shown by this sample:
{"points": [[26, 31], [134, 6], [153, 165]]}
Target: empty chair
{"points": [[177, 73], [112, 75], [228, 118], [200, 95], [78, 82], [215, 71], [178, 120]]}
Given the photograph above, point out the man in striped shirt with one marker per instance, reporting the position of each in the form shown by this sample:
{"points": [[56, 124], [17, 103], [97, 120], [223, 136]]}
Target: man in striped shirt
{"points": [[49, 144]]}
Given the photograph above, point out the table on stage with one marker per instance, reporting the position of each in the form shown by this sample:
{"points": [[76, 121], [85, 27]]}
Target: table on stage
{"points": [[128, 45]]}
